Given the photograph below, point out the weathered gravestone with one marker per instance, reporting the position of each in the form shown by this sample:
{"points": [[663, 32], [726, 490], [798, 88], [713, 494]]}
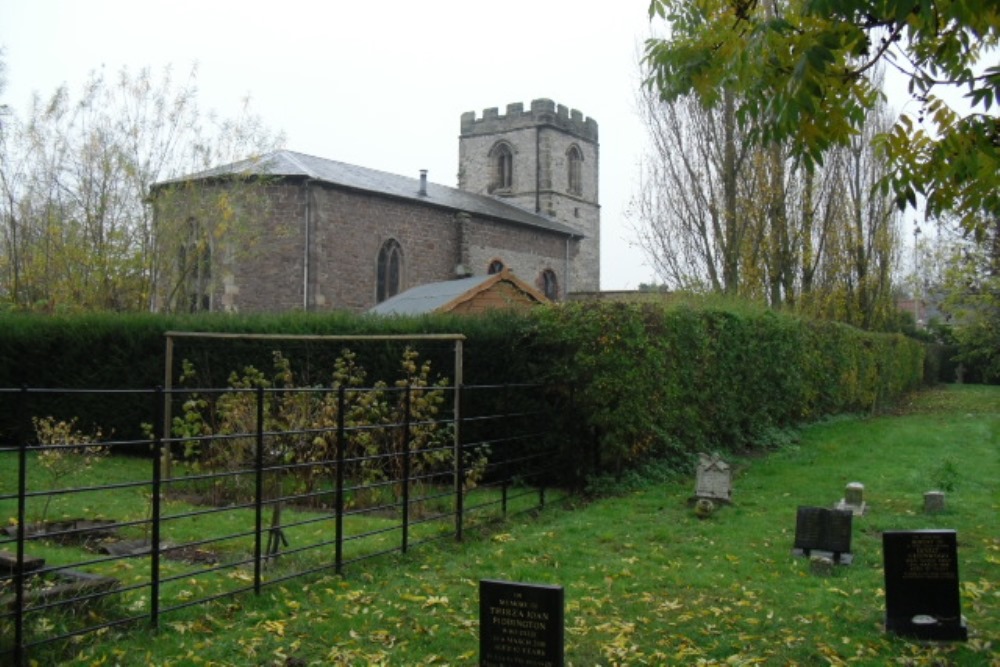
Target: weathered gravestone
{"points": [[823, 532], [10, 565], [854, 499], [713, 480], [520, 625], [921, 584], [933, 502]]}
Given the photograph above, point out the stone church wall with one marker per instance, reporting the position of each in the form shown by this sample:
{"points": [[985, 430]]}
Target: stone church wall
{"points": [[522, 250], [351, 228], [265, 273]]}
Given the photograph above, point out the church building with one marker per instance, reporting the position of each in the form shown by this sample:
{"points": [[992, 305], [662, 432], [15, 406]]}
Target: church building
{"points": [[316, 234]]}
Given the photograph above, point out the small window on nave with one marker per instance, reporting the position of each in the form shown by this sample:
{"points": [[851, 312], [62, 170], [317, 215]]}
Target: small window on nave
{"points": [[195, 265], [389, 270], [549, 284]]}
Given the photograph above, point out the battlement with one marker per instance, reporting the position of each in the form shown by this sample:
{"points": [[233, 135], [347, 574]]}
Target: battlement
{"points": [[541, 112]]}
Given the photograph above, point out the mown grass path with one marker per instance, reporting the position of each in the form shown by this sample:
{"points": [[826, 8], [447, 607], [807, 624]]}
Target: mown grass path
{"points": [[646, 582]]}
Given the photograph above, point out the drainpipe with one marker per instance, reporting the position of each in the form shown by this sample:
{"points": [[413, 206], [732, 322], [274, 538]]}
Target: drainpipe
{"points": [[307, 250], [566, 281], [538, 170]]}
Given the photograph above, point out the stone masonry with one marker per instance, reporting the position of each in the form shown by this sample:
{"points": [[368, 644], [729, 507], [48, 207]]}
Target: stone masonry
{"points": [[315, 242], [540, 139]]}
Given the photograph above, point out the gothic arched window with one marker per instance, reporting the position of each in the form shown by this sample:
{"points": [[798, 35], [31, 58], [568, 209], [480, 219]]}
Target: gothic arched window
{"points": [[574, 160], [195, 265], [502, 159], [389, 270], [549, 284]]}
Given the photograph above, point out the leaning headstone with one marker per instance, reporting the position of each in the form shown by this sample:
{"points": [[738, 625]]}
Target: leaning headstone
{"points": [[520, 625], [854, 499], [823, 532], [713, 480], [933, 502], [921, 584]]}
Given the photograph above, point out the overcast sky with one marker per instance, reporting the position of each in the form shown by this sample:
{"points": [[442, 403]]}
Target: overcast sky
{"points": [[378, 83]]}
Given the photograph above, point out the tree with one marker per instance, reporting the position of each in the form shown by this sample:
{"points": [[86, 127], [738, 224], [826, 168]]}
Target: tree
{"points": [[802, 73], [76, 176], [685, 212], [717, 211], [855, 275], [972, 299]]}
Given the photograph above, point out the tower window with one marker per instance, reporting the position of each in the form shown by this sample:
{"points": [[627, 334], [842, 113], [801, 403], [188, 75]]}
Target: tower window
{"points": [[496, 266], [389, 270], [502, 158], [574, 160], [549, 284]]}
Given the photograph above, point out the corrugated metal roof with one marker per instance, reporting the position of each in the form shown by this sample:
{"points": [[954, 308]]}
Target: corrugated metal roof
{"points": [[291, 164], [428, 298]]}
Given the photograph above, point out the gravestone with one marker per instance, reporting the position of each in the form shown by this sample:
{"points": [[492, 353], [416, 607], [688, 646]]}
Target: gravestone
{"points": [[854, 499], [823, 532], [520, 625], [10, 565], [713, 480], [921, 584], [933, 502]]}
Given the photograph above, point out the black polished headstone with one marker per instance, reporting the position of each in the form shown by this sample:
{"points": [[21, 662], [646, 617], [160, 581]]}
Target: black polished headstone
{"points": [[921, 584], [520, 625], [823, 531]]}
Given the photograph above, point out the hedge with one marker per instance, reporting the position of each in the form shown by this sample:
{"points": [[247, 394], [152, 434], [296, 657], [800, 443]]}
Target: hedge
{"points": [[636, 381], [652, 381]]}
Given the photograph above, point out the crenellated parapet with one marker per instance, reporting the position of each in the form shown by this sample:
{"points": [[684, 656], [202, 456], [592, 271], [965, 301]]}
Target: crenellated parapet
{"points": [[542, 112]]}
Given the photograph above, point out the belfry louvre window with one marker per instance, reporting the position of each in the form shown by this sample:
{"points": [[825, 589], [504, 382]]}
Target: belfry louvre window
{"points": [[502, 158], [574, 161], [390, 270]]}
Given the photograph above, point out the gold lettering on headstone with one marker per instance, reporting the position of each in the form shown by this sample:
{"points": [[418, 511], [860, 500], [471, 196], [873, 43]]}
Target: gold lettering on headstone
{"points": [[929, 557]]}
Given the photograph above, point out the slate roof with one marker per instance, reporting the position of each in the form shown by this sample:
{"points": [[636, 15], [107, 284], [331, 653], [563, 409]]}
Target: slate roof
{"points": [[284, 163], [434, 296]]}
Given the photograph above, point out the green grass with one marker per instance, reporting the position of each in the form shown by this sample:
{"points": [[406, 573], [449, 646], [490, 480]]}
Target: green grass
{"points": [[647, 583]]}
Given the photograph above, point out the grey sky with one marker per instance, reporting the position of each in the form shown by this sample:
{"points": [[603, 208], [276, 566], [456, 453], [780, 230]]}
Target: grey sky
{"points": [[376, 83]]}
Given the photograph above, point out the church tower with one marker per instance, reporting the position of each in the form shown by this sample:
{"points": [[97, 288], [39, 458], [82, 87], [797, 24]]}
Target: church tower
{"points": [[544, 160]]}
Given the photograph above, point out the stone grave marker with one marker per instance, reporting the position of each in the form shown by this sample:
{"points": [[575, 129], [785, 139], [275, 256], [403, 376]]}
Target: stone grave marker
{"points": [[933, 502], [824, 532], [921, 584], [713, 480], [854, 499], [520, 625], [10, 565]]}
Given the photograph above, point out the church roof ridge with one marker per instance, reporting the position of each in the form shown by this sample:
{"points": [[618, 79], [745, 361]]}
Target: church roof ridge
{"points": [[288, 163]]}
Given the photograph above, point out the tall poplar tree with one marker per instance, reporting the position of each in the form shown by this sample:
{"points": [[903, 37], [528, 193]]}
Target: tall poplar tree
{"points": [[716, 211]]}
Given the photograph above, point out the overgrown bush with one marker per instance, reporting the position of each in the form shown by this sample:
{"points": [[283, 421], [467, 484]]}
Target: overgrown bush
{"points": [[300, 423], [64, 450]]}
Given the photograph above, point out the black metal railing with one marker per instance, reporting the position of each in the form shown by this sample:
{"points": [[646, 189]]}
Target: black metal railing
{"points": [[136, 529]]}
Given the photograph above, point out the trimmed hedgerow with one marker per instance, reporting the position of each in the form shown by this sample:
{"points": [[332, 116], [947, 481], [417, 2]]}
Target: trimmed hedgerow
{"points": [[637, 381], [651, 381]]}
